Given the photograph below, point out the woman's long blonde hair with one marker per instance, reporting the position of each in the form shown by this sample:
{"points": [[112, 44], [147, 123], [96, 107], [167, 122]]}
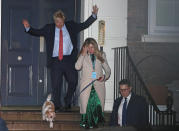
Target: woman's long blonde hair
{"points": [[97, 52]]}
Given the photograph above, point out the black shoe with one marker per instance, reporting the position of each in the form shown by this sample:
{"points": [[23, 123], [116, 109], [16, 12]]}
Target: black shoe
{"points": [[68, 108]]}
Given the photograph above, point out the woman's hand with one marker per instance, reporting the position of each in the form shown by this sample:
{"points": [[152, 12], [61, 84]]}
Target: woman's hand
{"points": [[101, 79], [85, 50]]}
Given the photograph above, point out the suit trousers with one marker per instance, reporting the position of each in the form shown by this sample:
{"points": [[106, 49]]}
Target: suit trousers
{"points": [[58, 69]]}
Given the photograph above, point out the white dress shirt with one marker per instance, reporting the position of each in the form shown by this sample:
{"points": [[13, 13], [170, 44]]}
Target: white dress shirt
{"points": [[121, 107], [67, 44]]}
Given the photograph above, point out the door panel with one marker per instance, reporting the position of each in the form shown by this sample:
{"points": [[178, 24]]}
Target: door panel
{"points": [[16, 42], [24, 77], [19, 55], [19, 92]]}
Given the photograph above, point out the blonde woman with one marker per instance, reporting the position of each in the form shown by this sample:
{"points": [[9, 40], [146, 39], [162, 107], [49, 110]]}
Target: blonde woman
{"points": [[91, 62]]}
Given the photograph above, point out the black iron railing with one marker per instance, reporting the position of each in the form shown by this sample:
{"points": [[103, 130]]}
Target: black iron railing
{"points": [[124, 67]]}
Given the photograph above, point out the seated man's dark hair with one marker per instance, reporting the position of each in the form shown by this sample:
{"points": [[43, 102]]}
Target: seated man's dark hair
{"points": [[124, 82]]}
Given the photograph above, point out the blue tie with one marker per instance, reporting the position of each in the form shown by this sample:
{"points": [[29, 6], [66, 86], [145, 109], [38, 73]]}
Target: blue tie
{"points": [[124, 112]]}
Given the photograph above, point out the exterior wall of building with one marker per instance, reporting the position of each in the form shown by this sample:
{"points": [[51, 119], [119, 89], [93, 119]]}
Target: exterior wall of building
{"points": [[157, 62], [137, 23]]}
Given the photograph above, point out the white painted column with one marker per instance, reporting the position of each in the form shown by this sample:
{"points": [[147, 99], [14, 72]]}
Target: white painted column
{"points": [[114, 13]]}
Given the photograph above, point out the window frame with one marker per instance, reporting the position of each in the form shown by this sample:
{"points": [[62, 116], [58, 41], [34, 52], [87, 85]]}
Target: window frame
{"points": [[153, 29]]}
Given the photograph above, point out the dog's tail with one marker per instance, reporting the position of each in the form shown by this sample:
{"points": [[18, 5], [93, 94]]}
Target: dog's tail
{"points": [[49, 98]]}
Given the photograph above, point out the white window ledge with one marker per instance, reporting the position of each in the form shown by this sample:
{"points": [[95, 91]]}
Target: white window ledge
{"points": [[160, 38]]}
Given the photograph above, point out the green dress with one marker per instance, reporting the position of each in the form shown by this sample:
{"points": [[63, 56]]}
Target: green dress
{"points": [[94, 114]]}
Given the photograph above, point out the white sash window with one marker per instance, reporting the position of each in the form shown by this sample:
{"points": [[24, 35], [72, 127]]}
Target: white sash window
{"points": [[163, 21]]}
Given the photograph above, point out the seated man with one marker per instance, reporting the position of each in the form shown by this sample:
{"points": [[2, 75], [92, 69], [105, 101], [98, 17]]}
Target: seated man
{"points": [[129, 109], [3, 125]]}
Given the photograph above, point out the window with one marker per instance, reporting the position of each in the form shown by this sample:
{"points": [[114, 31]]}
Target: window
{"points": [[163, 20], [163, 17]]}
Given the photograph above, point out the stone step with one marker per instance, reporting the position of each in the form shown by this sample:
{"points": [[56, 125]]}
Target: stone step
{"points": [[42, 126], [32, 121], [37, 116]]}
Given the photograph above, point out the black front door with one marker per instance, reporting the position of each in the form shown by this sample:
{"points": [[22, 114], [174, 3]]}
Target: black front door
{"points": [[24, 76]]}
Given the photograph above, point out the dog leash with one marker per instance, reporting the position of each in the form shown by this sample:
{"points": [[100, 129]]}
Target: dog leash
{"points": [[88, 86]]}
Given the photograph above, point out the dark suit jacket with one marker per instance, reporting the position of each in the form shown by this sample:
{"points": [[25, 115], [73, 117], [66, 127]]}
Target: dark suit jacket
{"points": [[137, 112], [48, 31], [3, 125]]}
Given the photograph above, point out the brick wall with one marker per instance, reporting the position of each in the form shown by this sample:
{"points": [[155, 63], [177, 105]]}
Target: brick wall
{"points": [[137, 19], [157, 62]]}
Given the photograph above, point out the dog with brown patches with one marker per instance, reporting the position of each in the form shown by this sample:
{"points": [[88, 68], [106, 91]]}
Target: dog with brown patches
{"points": [[48, 111]]}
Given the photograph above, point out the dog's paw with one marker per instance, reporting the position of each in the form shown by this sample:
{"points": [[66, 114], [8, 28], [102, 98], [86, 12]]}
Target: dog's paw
{"points": [[51, 124], [43, 117]]}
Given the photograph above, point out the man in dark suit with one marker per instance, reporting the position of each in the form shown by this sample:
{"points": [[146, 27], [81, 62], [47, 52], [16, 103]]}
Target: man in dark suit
{"points": [[129, 109], [61, 46], [3, 126]]}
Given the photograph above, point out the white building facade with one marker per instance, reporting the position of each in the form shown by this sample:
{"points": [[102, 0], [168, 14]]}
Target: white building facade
{"points": [[114, 13]]}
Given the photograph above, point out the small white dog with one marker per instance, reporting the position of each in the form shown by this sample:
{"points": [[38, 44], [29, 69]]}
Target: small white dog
{"points": [[48, 111]]}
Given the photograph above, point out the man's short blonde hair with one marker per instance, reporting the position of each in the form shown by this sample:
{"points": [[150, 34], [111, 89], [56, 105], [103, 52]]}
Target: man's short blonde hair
{"points": [[59, 14]]}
